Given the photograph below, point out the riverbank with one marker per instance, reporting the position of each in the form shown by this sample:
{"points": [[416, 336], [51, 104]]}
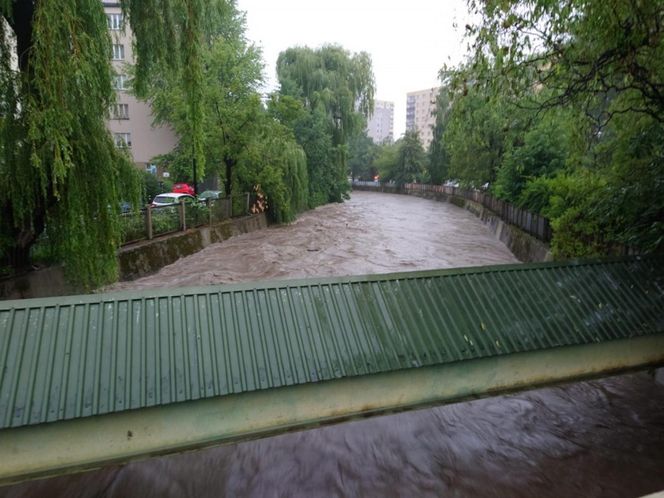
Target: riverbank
{"points": [[134, 260]]}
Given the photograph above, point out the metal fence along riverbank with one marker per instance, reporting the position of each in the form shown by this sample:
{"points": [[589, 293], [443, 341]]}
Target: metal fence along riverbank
{"points": [[151, 221]]}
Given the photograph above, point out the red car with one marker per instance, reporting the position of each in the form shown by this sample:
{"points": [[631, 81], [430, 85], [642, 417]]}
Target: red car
{"points": [[183, 188]]}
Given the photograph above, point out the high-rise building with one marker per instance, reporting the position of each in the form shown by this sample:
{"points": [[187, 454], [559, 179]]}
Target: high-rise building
{"points": [[131, 121], [420, 109], [381, 123]]}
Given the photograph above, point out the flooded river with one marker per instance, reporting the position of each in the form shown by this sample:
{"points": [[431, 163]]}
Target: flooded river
{"points": [[371, 233], [592, 439]]}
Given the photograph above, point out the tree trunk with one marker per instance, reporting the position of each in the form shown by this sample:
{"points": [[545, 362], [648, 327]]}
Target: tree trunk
{"points": [[19, 258], [229, 175], [18, 254], [21, 22]]}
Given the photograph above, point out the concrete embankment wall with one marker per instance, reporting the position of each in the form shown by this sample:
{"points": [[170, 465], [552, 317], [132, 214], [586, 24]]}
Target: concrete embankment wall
{"points": [[146, 257], [135, 260], [523, 245]]}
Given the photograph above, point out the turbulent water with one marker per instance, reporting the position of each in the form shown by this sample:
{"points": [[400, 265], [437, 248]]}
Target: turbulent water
{"points": [[590, 439], [371, 233]]}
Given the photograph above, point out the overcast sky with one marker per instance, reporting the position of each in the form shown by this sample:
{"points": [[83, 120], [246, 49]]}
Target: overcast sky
{"points": [[408, 41]]}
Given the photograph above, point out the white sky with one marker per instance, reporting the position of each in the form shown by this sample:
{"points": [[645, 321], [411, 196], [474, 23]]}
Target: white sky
{"points": [[409, 41]]}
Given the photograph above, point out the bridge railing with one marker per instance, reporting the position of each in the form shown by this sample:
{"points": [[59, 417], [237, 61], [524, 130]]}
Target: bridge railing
{"points": [[534, 224], [106, 378]]}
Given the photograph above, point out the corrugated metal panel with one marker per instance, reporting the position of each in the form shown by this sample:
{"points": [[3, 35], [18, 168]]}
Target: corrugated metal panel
{"points": [[77, 357]]}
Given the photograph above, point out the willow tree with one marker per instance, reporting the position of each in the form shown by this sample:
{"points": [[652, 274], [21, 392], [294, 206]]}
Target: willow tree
{"points": [[336, 86], [61, 174], [231, 105]]}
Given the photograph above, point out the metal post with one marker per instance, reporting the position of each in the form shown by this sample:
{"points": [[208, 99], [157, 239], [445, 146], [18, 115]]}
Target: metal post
{"points": [[183, 221], [246, 211], [193, 157], [208, 204], [148, 221]]}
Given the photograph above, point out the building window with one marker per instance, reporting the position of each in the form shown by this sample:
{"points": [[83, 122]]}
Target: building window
{"points": [[114, 21], [118, 52], [120, 82], [122, 140], [121, 111]]}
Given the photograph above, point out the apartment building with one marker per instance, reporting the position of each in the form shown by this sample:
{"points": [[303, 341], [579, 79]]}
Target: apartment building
{"points": [[131, 119], [381, 123], [420, 108]]}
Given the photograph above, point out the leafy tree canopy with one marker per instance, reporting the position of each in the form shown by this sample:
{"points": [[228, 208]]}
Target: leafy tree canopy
{"points": [[336, 89], [604, 55], [560, 109], [65, 178], [231, 75], [361, 154]]}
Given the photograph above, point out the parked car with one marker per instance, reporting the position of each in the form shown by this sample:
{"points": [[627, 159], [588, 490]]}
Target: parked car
{"points": [[171, 198], [210, 194], [183, 188]]}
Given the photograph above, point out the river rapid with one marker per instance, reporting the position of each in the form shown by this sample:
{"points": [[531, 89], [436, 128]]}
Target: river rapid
{"points": [[602, 438]]}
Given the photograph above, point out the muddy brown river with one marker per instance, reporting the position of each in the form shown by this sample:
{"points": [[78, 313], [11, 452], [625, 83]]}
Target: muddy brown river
{"points": [[603, 438]]}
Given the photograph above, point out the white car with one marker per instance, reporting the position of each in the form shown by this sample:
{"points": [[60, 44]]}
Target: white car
{"points": [[171, 198]]}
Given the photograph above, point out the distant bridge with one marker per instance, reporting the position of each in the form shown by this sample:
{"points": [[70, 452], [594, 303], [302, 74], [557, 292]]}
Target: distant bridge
{"points": [[92, 380]]}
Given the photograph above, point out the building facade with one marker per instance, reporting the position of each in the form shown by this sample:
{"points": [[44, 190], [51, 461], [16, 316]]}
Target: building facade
{"points": [[420, 117], [131, 120], [381, 123]]}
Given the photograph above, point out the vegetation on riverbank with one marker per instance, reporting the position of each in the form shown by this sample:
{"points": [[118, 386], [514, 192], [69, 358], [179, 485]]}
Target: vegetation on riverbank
{"points": [[64, 180], [560, 110]]}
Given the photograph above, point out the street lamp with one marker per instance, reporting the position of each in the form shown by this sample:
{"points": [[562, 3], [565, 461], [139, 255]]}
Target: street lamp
{"points": [[193, 160]]}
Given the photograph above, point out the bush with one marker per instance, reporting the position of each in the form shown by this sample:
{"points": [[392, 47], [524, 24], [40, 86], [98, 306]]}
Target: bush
{"points": [[576, 210]]}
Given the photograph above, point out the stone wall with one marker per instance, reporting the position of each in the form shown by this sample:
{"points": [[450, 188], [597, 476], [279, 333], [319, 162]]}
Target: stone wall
{"points": [[146, 257], [135, 260]]}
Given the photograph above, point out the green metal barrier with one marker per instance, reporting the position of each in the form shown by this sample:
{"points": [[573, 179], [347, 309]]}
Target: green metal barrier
{"points": [[91, 380]]}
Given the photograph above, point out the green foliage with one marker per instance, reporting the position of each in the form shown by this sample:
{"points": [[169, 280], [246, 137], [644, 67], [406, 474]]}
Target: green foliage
{"points": [[332, 85], [242, 142], [475, 137], [386, 160], [439, 160], [65, 175], [410, 160], [279, 166], [574, 205], [361, 154], [559, 109], [535, 195], [165, 220], [196, 214], [634, 200], [61, 170], [602, 55], [230, 75], [179, 163], [542, 151], [151, 187], [327, 180], [132, 226]]}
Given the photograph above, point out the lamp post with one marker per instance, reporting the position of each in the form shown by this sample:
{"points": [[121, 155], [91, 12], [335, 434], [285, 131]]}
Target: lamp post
{"points": [[193, 160]]}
